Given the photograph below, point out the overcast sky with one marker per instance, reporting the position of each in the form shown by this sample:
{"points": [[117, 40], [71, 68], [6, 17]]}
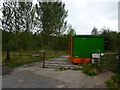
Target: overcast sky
{"points": [[83, 15]]}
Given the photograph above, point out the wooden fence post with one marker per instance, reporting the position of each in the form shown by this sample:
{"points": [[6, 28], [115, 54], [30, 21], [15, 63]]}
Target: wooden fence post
{"points": [[8, 55], [99, 57], [43, 58]]}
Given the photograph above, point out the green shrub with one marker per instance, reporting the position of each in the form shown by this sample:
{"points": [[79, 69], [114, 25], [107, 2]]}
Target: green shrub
{"points": [[89, 70], [109, 62], [110, 84], [115, 78], [113, 82]]}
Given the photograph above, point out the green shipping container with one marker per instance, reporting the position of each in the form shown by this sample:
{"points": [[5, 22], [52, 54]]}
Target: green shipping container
{"points": [[84, 45]]}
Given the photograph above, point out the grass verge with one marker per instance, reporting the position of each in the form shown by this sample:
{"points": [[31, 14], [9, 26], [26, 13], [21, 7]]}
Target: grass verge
{"points": [[18, 59]]}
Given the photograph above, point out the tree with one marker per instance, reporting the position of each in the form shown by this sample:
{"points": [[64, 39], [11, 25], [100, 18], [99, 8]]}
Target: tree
{"points": [[70, 31], [118, 44], [94, 31], [52, 16], [7, 26], [110, 39], [7, 11], [28, 17], [26, 27], [105, 31], [17, 17]]}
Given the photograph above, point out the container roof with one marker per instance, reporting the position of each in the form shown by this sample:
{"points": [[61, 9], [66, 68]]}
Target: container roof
{"points": [[88, 36]]}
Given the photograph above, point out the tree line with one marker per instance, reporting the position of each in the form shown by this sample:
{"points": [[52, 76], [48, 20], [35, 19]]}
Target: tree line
{"points": [[34, 27], [111, 39]]}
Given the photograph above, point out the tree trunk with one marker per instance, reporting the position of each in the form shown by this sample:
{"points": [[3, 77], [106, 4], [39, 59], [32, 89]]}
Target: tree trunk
{"points": [[8, 55]]}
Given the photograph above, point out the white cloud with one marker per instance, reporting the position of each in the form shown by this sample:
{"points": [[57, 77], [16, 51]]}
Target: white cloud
{"points": [[84, 15]]}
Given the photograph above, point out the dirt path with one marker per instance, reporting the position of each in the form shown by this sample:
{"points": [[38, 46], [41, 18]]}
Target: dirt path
{"points": [[59, 79], [62, 61]]}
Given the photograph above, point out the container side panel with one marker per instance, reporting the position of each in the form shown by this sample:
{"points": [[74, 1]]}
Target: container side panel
{"points": [[83, 47]]}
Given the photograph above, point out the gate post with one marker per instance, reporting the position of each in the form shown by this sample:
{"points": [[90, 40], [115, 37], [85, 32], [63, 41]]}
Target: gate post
{"points": [[43, 58], [99, 57]]}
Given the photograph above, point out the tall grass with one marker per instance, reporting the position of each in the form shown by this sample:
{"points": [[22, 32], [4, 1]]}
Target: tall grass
{"points": [[18, 59]]}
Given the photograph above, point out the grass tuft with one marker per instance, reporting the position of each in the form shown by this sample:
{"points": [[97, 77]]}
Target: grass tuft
{"points": [[113, 82], [89, 69]]}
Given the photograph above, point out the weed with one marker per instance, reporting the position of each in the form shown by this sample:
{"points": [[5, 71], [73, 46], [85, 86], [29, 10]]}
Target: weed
{"points": [[61, 69], [76, 68], [109, 62], [113, 82], [89, 70], [110, 83]]}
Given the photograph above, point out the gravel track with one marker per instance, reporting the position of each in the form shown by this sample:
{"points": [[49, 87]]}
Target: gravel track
{"points": [[34, 76]]}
